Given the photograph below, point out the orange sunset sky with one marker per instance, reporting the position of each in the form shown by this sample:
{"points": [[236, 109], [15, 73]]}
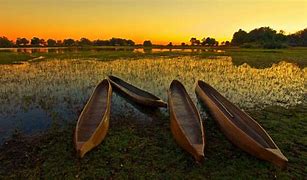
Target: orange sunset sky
{"points": [[160, 21]]}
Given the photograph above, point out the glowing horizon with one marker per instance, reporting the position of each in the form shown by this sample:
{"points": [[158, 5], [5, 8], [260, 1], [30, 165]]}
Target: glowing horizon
{"points": [[159, 21]]}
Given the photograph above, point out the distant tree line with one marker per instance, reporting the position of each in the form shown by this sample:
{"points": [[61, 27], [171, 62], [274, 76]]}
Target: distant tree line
{"points": [[207, 41], [38, 42], [265, 37]]}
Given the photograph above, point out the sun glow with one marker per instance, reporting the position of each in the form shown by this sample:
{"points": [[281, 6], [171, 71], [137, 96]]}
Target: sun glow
{"points": [[159, 21]]}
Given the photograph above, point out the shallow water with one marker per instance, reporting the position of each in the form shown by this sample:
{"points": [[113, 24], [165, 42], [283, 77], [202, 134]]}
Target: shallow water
{"points": [[35, 95], [60, 50]]}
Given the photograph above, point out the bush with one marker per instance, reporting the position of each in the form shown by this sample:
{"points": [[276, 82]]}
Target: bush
{"points": [[265, 45], [250, 45], [274, 45]]}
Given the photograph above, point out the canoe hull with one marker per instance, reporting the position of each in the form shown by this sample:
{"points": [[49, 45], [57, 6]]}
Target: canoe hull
{"points": [[181, 139], [237, 136], [100, 132], [98, 137], [197, 151], [137, 98]]}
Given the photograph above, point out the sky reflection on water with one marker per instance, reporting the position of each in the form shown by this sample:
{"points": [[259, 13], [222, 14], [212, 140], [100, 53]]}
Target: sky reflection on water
{"points": [[61, 50]]}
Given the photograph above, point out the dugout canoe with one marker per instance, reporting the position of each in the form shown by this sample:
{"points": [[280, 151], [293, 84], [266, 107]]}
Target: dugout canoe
{"points": [[136, 94], [93, 122], [239, 127], [186, 124]]}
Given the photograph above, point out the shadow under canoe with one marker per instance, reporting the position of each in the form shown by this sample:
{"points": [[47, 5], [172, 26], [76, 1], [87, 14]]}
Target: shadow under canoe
{"points": [[136, 94]]}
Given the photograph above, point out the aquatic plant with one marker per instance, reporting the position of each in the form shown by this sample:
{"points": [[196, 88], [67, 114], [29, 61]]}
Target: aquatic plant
{"points": [[69, 82]]}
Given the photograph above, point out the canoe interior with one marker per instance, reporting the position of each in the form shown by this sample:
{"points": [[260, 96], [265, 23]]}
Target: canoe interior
{"points": [[132, 88], [185, 114], [238, 117], [94, 112]]}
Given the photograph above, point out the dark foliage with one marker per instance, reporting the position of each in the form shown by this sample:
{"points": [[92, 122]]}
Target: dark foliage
{"points": [[147, 43], [35, 41], [5, 42], [209, 42], [170, 44], [263, 37], [121, 42], [84, 42], [20, 42], [194, 41], [69, 42], [51, 42], [266, 37]]}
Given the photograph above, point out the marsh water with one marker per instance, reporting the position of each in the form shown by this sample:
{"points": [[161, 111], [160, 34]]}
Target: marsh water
{"points": [[60, 50], [36, 95]]}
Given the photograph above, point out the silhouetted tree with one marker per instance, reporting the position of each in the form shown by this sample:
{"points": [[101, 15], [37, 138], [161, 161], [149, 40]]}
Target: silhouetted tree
{"points": [[121, 42], [227, 43], [130, 43], [183, 44], [193, 41], [303, 35], [42, 42], [197, 42], [298, 39], [5, 42], [21, 42], [101, 42], [68, 42], [263, 34], [114, 42], [260, 37], [170, 44], [281, 37], [51, 42], [239, 37], [209, 42], [59, 43], [35, 41], [84, 42], [147, 43]]}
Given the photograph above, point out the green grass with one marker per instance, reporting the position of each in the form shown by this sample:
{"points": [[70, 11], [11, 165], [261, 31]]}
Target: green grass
{"points": [[149, 151], [261, 58], [14, 57]]}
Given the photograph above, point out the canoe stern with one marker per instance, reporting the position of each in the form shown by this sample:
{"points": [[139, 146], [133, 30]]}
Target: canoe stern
{"points": [[82, 147], [238, 137], [278, 158], [196, 150]]}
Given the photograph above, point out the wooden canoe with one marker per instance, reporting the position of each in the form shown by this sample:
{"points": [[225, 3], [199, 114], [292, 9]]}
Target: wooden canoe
{"points": [[135, 94], [186, 124], [239, 127], [93, 122]]}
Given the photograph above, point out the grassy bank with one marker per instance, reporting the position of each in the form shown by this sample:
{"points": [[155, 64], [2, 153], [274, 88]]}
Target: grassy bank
{"points": [[259, 58], [14, 57], [149, 151]]}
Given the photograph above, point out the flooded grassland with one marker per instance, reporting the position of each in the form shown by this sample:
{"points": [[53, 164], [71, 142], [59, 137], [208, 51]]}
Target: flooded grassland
{"points": [[35, 95], [32, 93]]}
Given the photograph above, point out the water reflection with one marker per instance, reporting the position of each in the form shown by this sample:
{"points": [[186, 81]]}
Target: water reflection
{"points": [[30, 121], [59, 50], [185, 50], [34, 95]]}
